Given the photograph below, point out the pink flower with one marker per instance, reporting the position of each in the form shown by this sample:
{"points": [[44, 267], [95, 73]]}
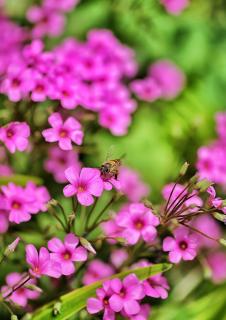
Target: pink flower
{"points": [[217, 263], [179, 191], [22, 202], [132, 185], [138, 222], [4, 225], [84, 184], [118, 256], [46, 21], [143, 314], [21, 295], [126, 294], [17, 203], [59, 160], [97, 270], [209, 226], [101, 302], [67, 253], [15, 136], [115, 119], [175, 7], [169, 77], [5, 170], [147, 89], [61, 5], [214, 201], [221, 125], [183, 246], [63, 132], [41, 263], [156, 287]]}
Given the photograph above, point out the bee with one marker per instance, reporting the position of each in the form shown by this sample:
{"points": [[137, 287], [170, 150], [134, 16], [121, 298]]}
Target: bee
{"points": [[110, 169]]}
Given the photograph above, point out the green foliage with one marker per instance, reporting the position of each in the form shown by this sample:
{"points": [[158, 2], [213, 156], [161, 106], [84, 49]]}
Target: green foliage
{"points": [[75, 301]]}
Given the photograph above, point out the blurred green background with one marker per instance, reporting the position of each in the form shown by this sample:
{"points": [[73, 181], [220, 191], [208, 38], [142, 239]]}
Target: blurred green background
{"points": [[164, 134]]}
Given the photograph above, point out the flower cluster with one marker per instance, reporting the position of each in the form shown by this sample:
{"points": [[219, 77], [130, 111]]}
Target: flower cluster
{"points": [[94, 82], [211, 159], [18, 203], [15, 136], [125, 296], [164, 81]]}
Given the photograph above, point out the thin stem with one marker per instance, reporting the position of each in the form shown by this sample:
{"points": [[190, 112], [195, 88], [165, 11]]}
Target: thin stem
{"points": [[198, 231], [63, 212], [90, 213], [18, 286], [74, 204], [53, 213], [8, 308], [96, 221], [177, 198], [171, 193]]}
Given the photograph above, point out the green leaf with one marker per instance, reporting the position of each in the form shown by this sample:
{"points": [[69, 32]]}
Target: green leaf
{"points": [[75, 301], [19, 179]]}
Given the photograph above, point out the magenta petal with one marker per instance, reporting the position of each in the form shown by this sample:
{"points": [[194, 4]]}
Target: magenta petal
{"points": [[55, 120], [169, 244], [94, 305], [149, 234], [174, 256], [72, 174], [69, 190], [67, 268], [116, 303], [131, 307], [71, 241], [55, 245], [65, 144], [31, 255], [116, 285], [80, 254], [85, 198]]}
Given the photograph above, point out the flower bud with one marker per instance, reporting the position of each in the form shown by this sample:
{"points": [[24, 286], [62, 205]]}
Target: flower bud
{"points": [[14, 317], [223, 242], [11, 247], [184, 169], [87, 245], [57, 308], [203, 185], [52, 203]]}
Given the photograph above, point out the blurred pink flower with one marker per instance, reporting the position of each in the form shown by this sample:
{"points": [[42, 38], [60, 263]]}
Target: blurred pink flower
{"points": [[63, 132], [183, 246], [118, 256], [67, 253], [209, 226], [4, 225], [147, 89], [21, 295], [143, 314], [46, 21], [60, 5], [169, 77], [132, 185], [15, 136], [175, 7], [59, 160], [221, 125], [84, 184], [217, 263], [40, 262], [97, 270]]}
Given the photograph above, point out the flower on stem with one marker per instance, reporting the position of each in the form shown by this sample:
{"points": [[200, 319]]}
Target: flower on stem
{"points": [[41, 263], [217, 263], [22, 294], [15, 136], [101, 302], [143, 314], [84, 184], [67, 252], [183, 246], [63, 132], [138, 222], [126, 294], [97, 270], [214, 201]]}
